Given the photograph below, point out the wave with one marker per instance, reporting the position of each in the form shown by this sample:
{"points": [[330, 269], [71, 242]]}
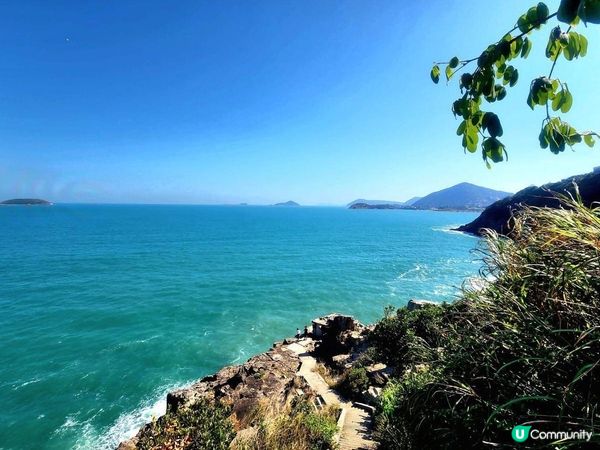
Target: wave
{"points": [[127, 424], [451, 230]]}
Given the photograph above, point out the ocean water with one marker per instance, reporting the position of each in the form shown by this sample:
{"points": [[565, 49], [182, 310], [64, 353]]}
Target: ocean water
{"points": [[105, 308]]}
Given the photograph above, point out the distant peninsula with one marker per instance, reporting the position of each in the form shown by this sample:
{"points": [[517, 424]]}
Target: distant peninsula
{"points": [[288, 203], [25, 201], [461, 197], [379, 206]]}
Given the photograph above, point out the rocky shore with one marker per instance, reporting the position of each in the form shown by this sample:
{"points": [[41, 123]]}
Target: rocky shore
{"points": [[290, 369]]}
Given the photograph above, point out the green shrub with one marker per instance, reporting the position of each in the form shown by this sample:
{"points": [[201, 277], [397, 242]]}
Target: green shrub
{"points": [[409, 337], [524, 350], [354, 382], [203, 426]]}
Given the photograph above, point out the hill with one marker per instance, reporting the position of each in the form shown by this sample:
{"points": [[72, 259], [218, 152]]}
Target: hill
{"points": [[497, 215], [463, 196], [411, 201], [25, 201]]}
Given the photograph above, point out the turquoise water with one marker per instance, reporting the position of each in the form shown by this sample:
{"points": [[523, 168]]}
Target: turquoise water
{"points": [[105, 308]]}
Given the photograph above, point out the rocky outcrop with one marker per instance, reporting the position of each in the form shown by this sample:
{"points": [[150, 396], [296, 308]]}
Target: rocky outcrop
{"points": [[270, 375], [498, 215]]}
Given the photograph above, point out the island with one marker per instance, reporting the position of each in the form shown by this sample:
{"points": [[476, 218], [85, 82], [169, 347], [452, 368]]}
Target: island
{"points": [[26, 202], [288, 203]]}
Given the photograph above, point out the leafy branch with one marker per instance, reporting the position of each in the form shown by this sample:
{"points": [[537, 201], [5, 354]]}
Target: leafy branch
{"points": [[493, 75]]}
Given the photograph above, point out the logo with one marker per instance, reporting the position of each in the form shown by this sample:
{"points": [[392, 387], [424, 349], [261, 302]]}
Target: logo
{"points": [[520, 433]]}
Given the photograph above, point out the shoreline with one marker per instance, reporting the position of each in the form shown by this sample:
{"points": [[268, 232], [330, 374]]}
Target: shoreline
{"points": [[288, 370]]}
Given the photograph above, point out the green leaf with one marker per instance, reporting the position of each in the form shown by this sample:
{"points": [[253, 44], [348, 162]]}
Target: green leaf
{"points": [[567, 103], [526, 48], [461, 128], [589, 11], [542, 12], [523, 24], [567, 11], [435, 74], [448, 72], [514, 77], [532, 16], [493, 125], [589, 140], [583, 45], [453, 63], [472, 138], [558, 101]]}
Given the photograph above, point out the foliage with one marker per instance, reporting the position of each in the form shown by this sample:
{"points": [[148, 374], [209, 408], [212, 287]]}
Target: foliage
{"points": [[524, 350], [409, 337], [354, 382], [495, 73], [203, 426], [299, 427]]}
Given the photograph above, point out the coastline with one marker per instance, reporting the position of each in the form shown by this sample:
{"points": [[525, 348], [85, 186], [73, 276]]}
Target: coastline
{"points": [[290, 369]]}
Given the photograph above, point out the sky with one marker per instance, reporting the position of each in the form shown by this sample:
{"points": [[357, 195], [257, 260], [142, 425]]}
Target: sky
{"points": [[316, 101]]}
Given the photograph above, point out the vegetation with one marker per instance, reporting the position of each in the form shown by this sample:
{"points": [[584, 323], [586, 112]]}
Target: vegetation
{"points": [[495, 72], [299, 427], [353, 383], [204, 426], [525, 350]]}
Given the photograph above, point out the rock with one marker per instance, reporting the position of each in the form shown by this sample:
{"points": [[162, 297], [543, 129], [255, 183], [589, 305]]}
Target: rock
{"points": [[498, 215], [270, 375], [418, 304]]}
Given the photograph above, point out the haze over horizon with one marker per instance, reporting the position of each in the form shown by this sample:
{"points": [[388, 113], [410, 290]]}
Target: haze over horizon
{"points": [[317, 102]]}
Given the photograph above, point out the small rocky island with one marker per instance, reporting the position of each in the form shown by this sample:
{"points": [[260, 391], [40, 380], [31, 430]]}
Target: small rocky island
{"points": [[288, 203], [26, 202]]}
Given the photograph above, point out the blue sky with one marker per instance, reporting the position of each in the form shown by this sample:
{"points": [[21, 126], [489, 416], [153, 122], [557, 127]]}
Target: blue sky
{"points": [[317, 101]]}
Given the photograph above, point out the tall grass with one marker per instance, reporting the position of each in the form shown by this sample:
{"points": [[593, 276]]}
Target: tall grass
{"points": [[524, 350]]}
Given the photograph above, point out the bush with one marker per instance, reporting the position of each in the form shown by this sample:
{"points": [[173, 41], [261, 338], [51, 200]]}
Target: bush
{"points": [[354, 382], [524, 350], [299, 427], [203, 426], [409, 337]]}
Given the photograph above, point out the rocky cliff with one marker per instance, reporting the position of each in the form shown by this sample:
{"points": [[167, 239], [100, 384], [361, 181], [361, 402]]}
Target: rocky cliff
{"points": [[498, 215]]}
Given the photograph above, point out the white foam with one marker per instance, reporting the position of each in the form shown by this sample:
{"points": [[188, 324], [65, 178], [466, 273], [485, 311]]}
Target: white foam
{"points": [[452, 230], [127, 424]]}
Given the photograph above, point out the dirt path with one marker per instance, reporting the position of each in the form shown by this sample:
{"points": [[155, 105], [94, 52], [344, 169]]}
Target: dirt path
{"points": [[357, 424]]}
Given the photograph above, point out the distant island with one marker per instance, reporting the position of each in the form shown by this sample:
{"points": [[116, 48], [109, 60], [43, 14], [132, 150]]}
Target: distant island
{"points": [[460, 197], [379, 206], [288, 203], [362, 201], [25, 201]]}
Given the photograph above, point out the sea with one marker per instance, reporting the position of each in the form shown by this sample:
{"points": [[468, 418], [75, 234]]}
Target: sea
{"points": [[106, 308]]}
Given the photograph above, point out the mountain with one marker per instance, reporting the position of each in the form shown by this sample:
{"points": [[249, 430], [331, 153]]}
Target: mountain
{"points": [[288, 203], [497, 215], [463, 196], [25, 201], [411, 201], [374, 202]]}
